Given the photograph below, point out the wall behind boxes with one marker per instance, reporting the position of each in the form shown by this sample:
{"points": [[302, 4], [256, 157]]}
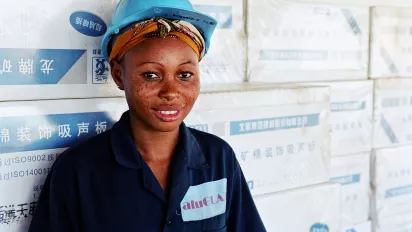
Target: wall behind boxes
{"points": [[62, 94]]}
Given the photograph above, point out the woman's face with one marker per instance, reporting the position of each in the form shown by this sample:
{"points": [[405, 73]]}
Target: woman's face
{"points": [[160, 77]]}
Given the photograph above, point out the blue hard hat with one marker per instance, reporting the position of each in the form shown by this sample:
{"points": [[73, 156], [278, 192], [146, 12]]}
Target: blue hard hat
{"points": [[130, 11]]}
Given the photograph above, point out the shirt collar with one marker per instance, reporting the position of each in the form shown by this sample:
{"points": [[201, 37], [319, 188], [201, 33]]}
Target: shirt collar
{"points": [[126, 153]]}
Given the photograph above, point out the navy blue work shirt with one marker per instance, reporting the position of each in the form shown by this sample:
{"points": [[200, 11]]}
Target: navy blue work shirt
{"points": [[104, 184]]}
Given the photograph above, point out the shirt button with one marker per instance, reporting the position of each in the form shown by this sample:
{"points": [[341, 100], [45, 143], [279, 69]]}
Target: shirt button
{"points": [[168, 223]]}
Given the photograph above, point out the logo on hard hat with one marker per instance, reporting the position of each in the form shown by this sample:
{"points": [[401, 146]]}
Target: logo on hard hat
{"points": [[157, 10]]}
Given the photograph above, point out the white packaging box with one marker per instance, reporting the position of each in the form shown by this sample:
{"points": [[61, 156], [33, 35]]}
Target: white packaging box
{"points": [[397, 223], [226, 58], [351, 116], [52, 49], [32, 135], [392, 182], [352, 172], [314, 208], [364, 227], [391, 47], [300, 42], [281, 136], [392, 113]]}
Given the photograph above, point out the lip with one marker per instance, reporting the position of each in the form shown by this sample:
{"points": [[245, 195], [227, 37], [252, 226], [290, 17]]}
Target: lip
{"points": [[168, 113]]}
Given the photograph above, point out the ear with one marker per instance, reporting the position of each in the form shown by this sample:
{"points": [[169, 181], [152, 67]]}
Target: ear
{"points": [[117, 73]]}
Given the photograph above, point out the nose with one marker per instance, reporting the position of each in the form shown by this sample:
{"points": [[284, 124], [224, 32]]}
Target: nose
{"points": [[170, 90]]}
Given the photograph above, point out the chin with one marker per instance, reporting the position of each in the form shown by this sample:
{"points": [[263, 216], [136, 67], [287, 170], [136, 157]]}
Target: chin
{"points": [[167, 126]]}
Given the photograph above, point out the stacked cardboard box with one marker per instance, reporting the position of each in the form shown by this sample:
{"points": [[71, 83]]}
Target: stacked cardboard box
{"points": [[364, 227], [300, 42], [51, 50], [322, 45], [313, 208], [390, 52], [32, 135], [352, 172], [281, 142], [226, 59]]}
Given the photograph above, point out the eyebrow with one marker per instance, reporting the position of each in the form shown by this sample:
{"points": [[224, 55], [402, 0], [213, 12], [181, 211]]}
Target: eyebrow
{"points": [[187, 62], [156, 63], [149, 62]]}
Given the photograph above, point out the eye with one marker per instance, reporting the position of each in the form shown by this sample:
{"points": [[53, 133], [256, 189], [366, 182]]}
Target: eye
{"points": [[185, 75], [150, 75]]}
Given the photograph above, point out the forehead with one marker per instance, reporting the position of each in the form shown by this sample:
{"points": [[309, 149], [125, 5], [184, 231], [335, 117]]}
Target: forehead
{"points": [[162, 48]]}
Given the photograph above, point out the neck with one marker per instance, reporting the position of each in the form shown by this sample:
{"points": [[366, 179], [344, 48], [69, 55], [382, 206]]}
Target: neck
{"points": [[154, 146]]}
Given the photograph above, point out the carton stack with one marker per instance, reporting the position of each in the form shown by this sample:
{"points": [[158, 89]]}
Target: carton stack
{"points": [[281, 142], [300, 42], [391, 163], [351, 119], [51, 50], [32, 135], [392, 169], [364, 227], [226, 59], [322, 45], [51, 75], [301, 209]]}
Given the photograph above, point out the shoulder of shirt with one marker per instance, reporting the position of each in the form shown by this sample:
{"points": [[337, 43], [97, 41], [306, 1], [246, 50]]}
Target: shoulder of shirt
{"points": [[211, 143], [211, 139], [217, 151], [98, 145]]}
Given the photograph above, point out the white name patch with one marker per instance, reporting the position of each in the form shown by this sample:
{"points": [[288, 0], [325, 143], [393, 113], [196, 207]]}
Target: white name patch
{"points": [[204, 201]]}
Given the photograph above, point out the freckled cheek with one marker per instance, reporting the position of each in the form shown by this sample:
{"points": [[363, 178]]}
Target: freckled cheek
{"points": [[143, 101], [140, 92], [137, 85], [191, 96]]}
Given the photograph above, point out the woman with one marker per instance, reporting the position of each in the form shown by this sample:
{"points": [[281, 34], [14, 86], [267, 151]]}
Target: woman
{"points": [[150, 172]]}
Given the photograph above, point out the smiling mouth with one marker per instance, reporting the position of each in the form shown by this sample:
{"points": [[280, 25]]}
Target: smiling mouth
{"points": [[168, 115], [168, 112]]}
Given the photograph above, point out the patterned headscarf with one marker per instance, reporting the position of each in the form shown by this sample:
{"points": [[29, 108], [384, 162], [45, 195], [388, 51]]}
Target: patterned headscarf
{"points": [[162, 27]]}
